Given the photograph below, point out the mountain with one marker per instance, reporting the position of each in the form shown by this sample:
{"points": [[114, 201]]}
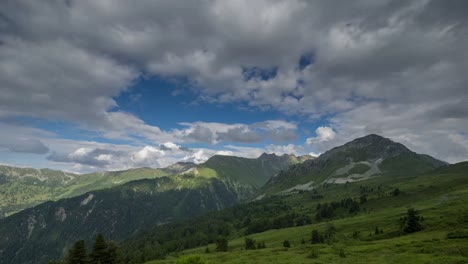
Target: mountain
{"points": [[247, 175], [360, 159], [38, 234], [22, 188], [43, 232], [372, 232]]}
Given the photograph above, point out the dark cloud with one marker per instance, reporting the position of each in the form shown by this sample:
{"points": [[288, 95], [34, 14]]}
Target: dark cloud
{"points": [[201, 134], [239, 134], [34, 146]]}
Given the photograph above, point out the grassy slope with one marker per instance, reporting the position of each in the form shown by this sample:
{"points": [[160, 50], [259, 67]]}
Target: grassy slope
{"points": [[17, 194], [255, 172], [441, 197]]}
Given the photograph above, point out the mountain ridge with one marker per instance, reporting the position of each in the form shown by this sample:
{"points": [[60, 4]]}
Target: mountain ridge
{"points": [[359, 159]]}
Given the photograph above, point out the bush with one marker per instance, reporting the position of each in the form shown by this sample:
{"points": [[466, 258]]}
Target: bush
{"points": [[286, 244], [222, 245], [249, 243]]}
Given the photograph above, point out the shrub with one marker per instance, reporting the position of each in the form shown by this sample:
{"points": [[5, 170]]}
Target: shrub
{"points": [[249, 243], [286, 244], [222, 245]]}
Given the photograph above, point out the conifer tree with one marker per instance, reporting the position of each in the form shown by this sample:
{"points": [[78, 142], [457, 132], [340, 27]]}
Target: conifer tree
{"points": [[77, 254], [412, 220], [100, 254], [114, 253]]}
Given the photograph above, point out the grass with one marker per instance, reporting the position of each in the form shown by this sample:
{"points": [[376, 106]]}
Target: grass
{"points": [[441, 198]]}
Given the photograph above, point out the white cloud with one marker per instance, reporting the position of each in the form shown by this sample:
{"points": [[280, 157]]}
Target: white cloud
{"points": [[197, 157], [323, 133]]}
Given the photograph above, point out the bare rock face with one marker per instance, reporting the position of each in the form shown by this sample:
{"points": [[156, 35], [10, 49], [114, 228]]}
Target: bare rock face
{"points": [[60, 214]]}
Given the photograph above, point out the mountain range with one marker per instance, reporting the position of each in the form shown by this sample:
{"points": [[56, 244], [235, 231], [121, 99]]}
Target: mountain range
{"points": [[123, 204]]}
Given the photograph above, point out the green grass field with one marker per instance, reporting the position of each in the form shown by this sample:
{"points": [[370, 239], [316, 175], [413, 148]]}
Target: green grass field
{"points": [[441, 198]]}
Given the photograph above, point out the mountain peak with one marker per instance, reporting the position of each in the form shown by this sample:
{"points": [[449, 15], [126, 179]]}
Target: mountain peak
{"points": [[368, 148], [266, 155]]}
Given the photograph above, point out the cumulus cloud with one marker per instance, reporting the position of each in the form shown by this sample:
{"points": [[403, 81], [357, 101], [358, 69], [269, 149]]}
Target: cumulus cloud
{"points": [[394, 67], [323, 133], [198, 157]]}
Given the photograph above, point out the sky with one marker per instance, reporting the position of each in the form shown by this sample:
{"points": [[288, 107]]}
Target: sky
{"points": [[110, 85]]}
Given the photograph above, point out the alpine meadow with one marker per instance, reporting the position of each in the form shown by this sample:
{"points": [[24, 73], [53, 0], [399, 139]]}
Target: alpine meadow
{"points": [[233, 131]]}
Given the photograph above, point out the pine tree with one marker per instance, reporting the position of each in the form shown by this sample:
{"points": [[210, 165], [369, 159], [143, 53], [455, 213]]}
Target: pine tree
{"points": [[114, 254], [77, 254], [100, 254], [412, 220]]}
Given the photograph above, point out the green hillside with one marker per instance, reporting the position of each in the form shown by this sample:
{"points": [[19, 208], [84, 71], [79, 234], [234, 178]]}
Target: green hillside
{"points": [[118, 204], [439, 196], [361, 159], [45, 231], [247, 175], [22, 188]]}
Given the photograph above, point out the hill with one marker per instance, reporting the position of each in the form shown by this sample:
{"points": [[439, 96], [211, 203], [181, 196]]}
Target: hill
{"points": [[45, 231], [361, 159], [22, 188], [247, 175], [349, 236]]}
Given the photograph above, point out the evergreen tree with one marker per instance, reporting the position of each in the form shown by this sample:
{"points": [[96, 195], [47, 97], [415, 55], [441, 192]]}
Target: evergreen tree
{"points": [[316, 237], [411, 221], [100, 254], [114, 253], [77, 254]]}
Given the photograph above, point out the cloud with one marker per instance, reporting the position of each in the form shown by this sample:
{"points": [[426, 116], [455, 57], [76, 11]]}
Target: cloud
{"points": [[213, 133], [198, 157], [95, 157], [22, 139], [323, 133], [395, 67], [34, 146]]}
